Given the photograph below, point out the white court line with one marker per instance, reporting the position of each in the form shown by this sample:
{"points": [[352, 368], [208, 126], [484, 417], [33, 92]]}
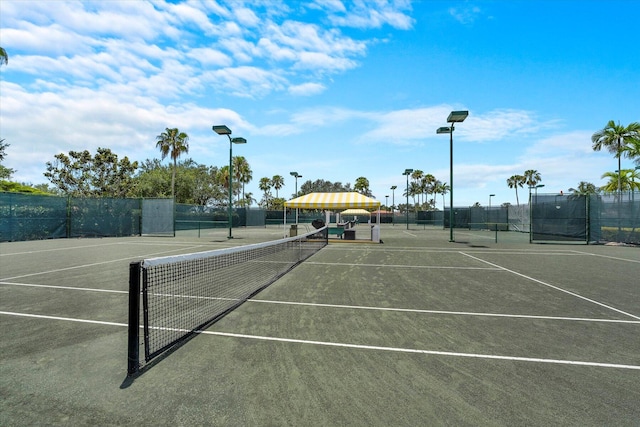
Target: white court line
{"points": [[454, 250], [101, 245], [363, 347], [609, 257], [352, 307], [72, 288], [401, 266], [61, 249], [429, 352], [84, 265], [554, 287], [412, 235], [66, 319], [454, 313]]}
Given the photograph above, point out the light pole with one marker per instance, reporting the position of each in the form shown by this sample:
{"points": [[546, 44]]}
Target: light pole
{"points": [[296, 175], [224, 130], [407, 172], [489, 212], [534, 187], [393, 204], [538, 186], [454, 117], [386, 203]]}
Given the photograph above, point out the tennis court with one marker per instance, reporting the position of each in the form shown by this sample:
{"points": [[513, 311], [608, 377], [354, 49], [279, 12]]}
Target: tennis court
{"points": [[415, 331]]}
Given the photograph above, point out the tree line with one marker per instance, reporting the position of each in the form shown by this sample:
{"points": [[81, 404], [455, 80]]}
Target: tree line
{"points": [[621, 141], [105, 174], [421, 187]]}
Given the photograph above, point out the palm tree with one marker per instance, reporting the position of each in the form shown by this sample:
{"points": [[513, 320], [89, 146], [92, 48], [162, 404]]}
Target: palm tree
{"points": [[532, 177], [241, 172], [362, 186], [625, 180], [223, 178], [265, 187], [442, 188], [277, 182], [4, 58], [614, 138], [516, 181], [174, 143], [584, 188], [414, 190], [416, 176], [427, 184], [632, 151], [248, 199]]}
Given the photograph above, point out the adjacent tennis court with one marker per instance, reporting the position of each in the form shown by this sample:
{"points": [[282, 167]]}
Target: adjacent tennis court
{"points": [[415, 331]]}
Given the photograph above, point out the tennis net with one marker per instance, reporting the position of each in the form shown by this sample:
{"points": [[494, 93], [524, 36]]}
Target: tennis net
{"points": [[183, 294]]}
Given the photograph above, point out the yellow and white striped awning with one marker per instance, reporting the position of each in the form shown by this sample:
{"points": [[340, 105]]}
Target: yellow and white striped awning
{"points": [[355, 212], [333, 201]]}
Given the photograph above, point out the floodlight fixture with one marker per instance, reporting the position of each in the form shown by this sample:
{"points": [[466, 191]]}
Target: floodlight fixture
{"points": [[221, 130], [444, 129], [457, 116], [393, 203]]}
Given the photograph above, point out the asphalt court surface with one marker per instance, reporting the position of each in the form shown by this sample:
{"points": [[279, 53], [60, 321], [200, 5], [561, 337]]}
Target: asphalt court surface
{"points": [[416, 330]]}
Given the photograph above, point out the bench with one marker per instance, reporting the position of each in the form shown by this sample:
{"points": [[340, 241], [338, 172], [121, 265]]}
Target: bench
{"points": [[338, 231]]}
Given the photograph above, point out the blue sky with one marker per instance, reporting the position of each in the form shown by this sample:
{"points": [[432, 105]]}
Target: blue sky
{"points": [[331, 89]]}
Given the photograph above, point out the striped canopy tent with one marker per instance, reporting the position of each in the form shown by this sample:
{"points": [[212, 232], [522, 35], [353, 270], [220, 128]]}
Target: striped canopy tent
{"points": [[333, 201], [355, 212]]}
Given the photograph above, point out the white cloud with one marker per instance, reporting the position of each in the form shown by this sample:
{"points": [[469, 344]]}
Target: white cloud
{"points": [[572, 143], [369, 13], [245, 81], [500, 124], [247, 17], [40, 125], [406, 126], [306, 89], [210, 57], [466, 14], [101, 44]]}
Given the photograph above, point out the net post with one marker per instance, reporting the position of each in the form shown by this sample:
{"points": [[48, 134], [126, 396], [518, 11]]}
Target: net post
{"points": [[133, 352]]}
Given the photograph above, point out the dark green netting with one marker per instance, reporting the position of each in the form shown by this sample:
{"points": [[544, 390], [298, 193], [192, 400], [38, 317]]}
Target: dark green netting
{"points": [[104, 217], [556, 217], [32, 217], [615, 218]]}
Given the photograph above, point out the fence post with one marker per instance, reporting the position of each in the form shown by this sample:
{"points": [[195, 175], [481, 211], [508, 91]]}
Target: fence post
{"points": [[133, 352]]}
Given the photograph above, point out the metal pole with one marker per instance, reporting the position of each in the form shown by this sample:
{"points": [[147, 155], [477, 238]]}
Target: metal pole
{"points": [[393, 206], [407, 201], [133, 342], [230, 186], [451, 185]]}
